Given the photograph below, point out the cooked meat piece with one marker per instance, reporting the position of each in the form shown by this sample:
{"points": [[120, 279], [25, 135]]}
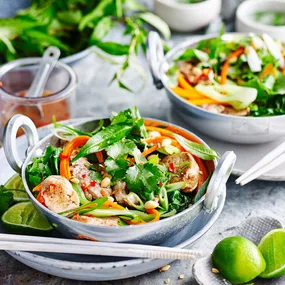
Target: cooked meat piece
{"points": [[234, 112], [110, 221], [220, 109], [80, 170], [120, 192], [58, 194], [193, 74], [186, 169]]}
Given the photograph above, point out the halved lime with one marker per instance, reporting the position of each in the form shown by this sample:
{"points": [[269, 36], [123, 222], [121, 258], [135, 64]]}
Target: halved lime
{"points": [[15, 185], [238, 259], [24, 218], [272, 247], [15, 182]]}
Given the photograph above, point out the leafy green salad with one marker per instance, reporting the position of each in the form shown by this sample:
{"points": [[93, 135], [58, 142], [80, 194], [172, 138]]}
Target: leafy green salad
{"points": [[126, 171], [233, 75]]}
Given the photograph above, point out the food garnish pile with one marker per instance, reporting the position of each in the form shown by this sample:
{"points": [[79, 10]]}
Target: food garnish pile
{"points": [[240, 76], [127, 171]]}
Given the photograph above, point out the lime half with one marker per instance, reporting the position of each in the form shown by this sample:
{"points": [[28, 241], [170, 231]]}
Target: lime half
{"points": [[238, 259], [15, 182], [15, 185], [272, 247], [24, 218]]}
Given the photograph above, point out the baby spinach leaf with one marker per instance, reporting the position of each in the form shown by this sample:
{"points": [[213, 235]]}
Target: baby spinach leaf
{"points": [[178, 201], [198, 150], [104, 138]]}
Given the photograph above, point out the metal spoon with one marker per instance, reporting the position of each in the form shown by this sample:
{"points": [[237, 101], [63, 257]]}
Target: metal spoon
{"points": [[253, 229], [47, 64]]}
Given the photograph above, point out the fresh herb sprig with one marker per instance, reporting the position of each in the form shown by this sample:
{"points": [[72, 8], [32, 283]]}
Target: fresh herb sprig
{"points": [[74, 25]]}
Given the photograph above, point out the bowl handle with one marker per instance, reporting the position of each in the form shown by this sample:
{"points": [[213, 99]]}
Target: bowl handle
{"points": [[9, 139], [155, 56], [218, 180]]}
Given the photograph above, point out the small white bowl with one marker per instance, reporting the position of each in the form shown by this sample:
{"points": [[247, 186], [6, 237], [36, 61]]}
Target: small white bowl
{"points": [[183, 17], [246, 23]]}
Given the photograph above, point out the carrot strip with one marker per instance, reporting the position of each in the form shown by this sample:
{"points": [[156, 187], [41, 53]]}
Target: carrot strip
{"points": [[109, 204], [99, 156], [269, 69], [64, 168], [40, 198], [155, 212], [185, 85], [38, 188], [131, 222], [186, 93], [150, 150], [224, 72]]}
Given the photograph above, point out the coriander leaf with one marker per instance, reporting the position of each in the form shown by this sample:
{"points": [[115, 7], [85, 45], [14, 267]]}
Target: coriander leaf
{"points": [[96, 176], [157, 23], [104, 138], [117, 168], [120, 148]]}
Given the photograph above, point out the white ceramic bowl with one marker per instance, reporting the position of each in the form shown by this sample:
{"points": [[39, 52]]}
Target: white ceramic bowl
{"points": [[187, 17], [246, 23]]}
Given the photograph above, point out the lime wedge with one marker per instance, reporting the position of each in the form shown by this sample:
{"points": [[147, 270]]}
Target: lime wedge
{"points": [[15, 182], [272, 247], [15, 185], [24, 218]]}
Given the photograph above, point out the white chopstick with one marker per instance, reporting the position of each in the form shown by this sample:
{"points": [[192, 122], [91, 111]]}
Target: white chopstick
{"points": [[56, 245], [267, 163]]}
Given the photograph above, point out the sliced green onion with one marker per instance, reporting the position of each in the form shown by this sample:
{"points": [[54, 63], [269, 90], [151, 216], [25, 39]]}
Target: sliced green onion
{"points": [[80, 193], [163, 199], [168, 214], [132, 199], [175, 186]]}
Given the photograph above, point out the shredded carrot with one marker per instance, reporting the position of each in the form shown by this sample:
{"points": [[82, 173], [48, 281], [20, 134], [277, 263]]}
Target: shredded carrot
{"points": [[224, 73], [99, 156], [154, 212], [269, 69], [40, 198], [64, 160], [150, 150], [113, 205], [188, 94], [38, 188], [185, 85], [131, 222]]}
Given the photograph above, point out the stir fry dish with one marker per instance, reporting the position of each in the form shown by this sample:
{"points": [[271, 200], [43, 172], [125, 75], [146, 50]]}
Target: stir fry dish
{"points": [[127, 171], [240, 76]]}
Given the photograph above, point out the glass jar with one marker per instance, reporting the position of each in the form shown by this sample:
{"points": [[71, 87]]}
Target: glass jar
{"points": [[58, 99]]}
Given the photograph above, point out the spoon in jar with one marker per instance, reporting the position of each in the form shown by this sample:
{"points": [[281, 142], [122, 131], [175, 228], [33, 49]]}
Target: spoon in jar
{"points": [[47, 64]]}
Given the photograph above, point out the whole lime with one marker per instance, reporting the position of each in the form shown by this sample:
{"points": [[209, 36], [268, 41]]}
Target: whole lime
{"points": [[238, 259]]}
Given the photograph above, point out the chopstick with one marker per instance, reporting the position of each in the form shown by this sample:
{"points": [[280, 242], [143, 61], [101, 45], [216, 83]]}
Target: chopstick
{"points": [[58, 245], [267, 163]]}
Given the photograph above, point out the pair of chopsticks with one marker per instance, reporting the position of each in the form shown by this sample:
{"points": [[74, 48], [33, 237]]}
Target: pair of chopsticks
{"points": [[60, 245], [267, 163]]}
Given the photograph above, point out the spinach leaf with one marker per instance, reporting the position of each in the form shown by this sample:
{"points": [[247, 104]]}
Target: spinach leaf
{"points": [[197, 149], [44, 166], [104, 138], [178, 201]]}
